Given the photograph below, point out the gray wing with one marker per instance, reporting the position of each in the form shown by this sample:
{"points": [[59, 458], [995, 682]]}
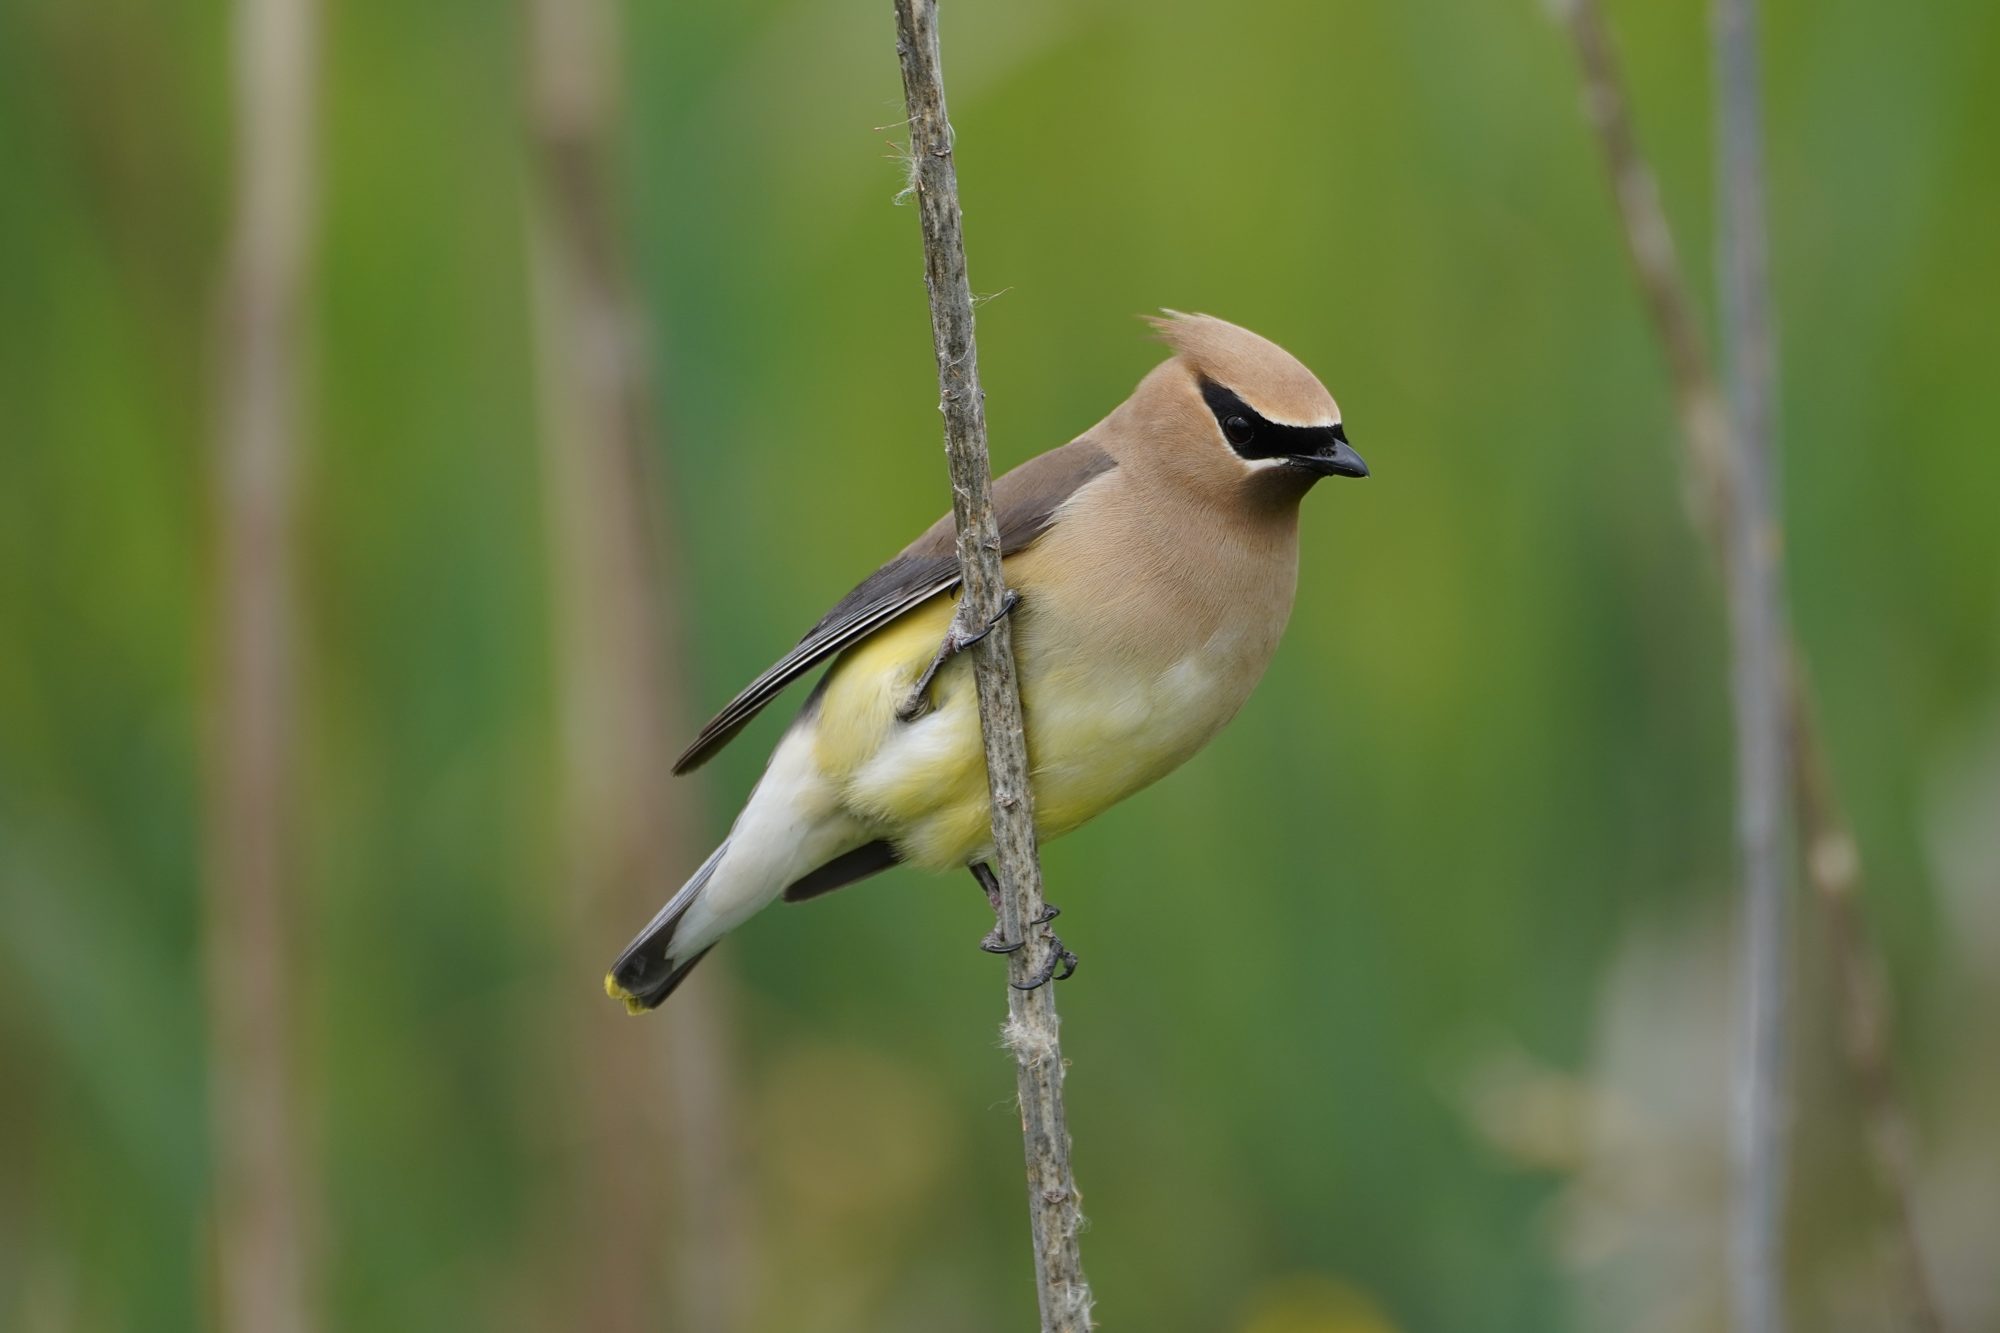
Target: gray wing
{"points": [[1025, 501]]}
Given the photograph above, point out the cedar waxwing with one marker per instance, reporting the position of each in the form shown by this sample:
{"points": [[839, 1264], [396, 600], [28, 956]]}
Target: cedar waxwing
{"points": [[1154, 560]]}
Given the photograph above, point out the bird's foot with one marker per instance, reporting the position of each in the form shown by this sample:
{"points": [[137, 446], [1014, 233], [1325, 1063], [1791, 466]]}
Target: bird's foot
{"points": [[1058, 957], [961, 639], [956, 640], [995, 942]]}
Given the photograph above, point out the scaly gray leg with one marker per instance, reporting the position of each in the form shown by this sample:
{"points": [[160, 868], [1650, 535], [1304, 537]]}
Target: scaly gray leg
{"points": [[956, 641]]}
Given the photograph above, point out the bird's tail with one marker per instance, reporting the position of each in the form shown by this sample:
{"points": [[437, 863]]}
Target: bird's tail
{"points": [[648, 971]]}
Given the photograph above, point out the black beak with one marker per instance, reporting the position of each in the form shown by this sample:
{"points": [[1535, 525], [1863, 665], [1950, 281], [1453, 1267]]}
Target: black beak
{"points": [[1336, 459]]}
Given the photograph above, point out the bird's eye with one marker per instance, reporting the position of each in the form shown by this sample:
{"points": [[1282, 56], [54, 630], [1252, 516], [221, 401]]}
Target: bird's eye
{"points": [[1238, 430]]}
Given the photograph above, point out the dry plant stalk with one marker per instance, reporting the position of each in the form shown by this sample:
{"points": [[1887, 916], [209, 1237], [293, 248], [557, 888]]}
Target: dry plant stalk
{"points": [[262, 1188], [1031, 1031], [1760, 630], [1830, 855], [627, 829]]}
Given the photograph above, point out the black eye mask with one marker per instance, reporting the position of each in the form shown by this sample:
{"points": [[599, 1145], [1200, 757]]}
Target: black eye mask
{"points": [[1252, 437]]}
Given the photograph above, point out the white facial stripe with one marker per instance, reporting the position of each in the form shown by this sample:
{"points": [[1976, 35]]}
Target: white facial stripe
{"points": [[1318, 423]]}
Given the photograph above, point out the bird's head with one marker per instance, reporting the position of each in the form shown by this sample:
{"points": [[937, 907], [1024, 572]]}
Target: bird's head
{"points": [[1234, 405]]}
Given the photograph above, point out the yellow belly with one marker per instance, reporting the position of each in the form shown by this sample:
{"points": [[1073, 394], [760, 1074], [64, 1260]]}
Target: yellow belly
{"points": [[1100, 726]]}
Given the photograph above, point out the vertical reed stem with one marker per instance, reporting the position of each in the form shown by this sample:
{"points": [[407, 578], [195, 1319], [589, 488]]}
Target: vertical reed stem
{"points": [[261, 1180], [656, 1179]]}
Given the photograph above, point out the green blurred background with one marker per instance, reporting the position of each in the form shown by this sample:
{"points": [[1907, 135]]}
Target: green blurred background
{"points": [[1402, 1007]]}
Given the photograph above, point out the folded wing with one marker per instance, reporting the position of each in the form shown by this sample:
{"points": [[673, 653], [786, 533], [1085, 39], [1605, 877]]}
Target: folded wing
{"points": [[1026, 502]]}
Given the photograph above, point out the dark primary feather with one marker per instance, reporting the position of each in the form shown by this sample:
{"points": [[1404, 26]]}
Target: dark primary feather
{"points": [[843, 870], [1024, 500]]}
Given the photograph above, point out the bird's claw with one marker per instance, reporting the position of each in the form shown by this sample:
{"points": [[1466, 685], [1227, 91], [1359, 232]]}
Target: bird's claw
{"points": [[1007, 605], [918, 702], [995, 942], [1058, 957]]}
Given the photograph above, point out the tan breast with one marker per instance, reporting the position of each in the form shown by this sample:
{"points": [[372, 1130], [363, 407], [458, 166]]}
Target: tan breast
{"points": [[1146, 622]]}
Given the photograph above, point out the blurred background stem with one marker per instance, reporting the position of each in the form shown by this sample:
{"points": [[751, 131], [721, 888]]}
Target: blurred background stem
{"points": [[656, 1179], [263, 1193], [1730, 472], [1759, 632]]}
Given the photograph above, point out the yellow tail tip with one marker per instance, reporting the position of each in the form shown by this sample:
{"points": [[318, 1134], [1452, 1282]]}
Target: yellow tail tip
{"points": [[623, 996]]}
